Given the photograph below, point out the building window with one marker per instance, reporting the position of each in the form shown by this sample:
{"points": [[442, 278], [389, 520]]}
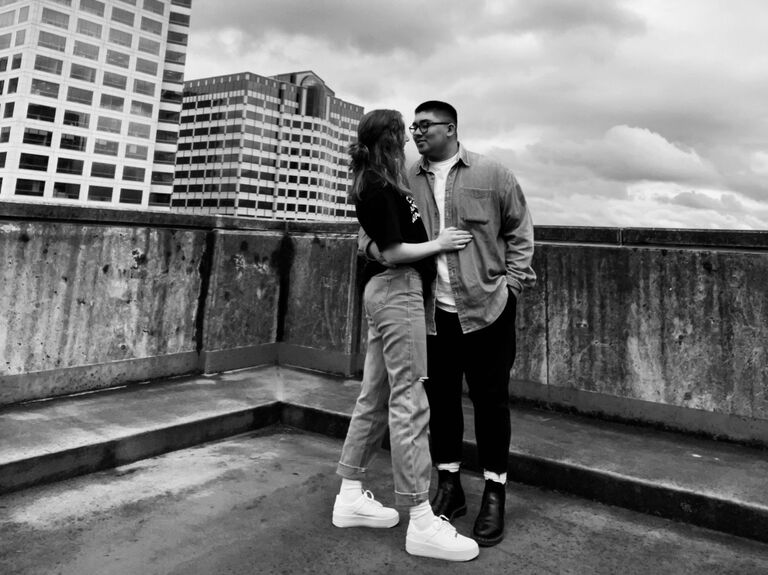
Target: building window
{"points": [[177, 38], [9, 108], [162, 178], [149, 46], [105, 147], [13, 85], [5, 40], [154, 6], [5, 134], [2, 160], [33, 162], [80, 72], [115, 80], [136, 151], [66, 191], [119, 37], [122, 16], [7, 19], [85, 50], [92, 6], [30, 187], [43, 88], [37, 137], [151, 26], [144, 87], [173, 57], [70, 166], [179, 19], [52, 41], [88, 28], [99, 194], [146, 66], [171, 117], [40, 112], [166, 137], [156, 199], [79, 95], [129, 196], [79, 119], [171, 96], [100, 170], [110, 102], [118, 59], [112, 125], [141, 108], [50, 65], [73, 142], [164, 157], [183, 3], [16, 62], [133, 174], [138, 130], [55, 18]]}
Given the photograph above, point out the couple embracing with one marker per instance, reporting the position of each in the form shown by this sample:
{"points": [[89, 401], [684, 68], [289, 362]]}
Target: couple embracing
{"points": [[450, 243]]}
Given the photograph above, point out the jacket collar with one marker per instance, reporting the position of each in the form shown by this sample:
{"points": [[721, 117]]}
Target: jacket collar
{"points": [[422, 166]]}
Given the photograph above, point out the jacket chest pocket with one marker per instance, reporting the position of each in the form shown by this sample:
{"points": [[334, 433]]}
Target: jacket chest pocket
{"points": [[476, 206]]}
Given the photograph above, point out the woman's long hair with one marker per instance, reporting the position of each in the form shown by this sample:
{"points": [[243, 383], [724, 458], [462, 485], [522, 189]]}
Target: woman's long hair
{"points": [[379, 149]]}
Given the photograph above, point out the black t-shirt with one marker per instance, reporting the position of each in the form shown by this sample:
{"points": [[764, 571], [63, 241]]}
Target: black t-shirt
{"points": [[389, 217]]}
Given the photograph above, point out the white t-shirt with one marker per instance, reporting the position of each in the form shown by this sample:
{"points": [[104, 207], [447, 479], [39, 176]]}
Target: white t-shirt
{"points": [[444, 294]]}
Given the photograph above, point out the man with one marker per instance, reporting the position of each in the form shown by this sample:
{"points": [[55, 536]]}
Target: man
{"points": [[471, 333]]}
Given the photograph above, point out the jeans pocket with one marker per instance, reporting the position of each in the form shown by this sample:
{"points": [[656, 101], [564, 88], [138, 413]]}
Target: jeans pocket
{"points": [[376, 293]]}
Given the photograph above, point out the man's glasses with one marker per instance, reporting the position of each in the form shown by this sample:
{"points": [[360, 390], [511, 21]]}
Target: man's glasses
{"points": [[424, 126]]}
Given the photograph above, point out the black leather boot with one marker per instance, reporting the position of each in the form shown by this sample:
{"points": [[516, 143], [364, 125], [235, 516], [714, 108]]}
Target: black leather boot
{"points": [[449, 499], [489, 526]]}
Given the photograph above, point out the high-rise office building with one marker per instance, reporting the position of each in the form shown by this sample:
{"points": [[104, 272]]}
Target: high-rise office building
{"points": [[91, 94], [265, 147]]}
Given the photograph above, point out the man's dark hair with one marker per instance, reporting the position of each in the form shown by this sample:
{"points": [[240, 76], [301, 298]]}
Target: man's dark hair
{"points": [[442, 108]]}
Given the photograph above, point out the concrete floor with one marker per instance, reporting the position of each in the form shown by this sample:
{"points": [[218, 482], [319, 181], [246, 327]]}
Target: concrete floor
{"points": [[260, 503]]}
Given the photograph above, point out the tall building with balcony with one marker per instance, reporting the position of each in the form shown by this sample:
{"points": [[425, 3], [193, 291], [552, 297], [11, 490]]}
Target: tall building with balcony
{"points": [[265, 147], [90, 100]]}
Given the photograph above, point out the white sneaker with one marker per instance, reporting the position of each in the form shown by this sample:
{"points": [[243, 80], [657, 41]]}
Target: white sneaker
{"points": [[364, 512], [440, 541]]}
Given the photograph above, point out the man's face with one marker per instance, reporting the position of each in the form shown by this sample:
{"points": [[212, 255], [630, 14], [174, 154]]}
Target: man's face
{"points": [[433, 144]]}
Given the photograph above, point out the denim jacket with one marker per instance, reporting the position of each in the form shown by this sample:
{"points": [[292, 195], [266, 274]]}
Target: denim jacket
{"points": [[481, 196]]}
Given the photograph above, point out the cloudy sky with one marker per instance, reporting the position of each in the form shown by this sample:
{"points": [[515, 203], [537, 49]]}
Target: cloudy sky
{"points": [[649, 113]]}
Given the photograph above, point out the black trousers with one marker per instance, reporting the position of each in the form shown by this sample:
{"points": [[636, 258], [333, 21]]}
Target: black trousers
{"points": [[485, 358]]}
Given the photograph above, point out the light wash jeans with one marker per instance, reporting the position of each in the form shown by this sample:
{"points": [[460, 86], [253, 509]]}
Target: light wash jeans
{"points": [[394, 373]]}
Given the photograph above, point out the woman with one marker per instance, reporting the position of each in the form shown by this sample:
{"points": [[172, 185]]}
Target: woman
{"points": [[396, 360]]}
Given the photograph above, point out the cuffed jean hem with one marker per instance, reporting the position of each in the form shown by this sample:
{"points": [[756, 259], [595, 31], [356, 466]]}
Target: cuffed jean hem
{"points": [[350, 471], [411, 499]]}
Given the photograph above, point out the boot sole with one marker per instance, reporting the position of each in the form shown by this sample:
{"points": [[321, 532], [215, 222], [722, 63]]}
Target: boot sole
{"points": [[435, 552], [488, 541], [356, 521]]}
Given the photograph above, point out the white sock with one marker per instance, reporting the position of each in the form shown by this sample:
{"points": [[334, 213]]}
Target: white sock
{"points": [[421, 515], [497, 477], [452, 467], [350, 491]]}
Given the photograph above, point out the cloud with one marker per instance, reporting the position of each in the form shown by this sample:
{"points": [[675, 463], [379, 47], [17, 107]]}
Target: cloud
{"points": [[585, 101], [630, 154], [418, 27]]}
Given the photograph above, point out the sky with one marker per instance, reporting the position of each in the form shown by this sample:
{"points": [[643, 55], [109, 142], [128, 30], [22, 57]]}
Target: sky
{"points": [[630, 113]]}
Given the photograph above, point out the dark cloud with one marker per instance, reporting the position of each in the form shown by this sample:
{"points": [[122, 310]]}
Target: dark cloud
{"points": [[414, 26]]}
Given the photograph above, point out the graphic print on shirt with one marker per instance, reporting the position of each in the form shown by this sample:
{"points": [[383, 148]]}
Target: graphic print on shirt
{"points": [[415, 215]]}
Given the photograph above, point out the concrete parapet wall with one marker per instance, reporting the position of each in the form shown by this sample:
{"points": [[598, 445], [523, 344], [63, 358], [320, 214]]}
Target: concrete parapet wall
{"points": [[662, 326], [87, 306]]}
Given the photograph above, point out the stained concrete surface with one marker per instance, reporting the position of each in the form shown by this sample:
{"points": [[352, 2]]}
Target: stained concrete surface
{"points": [[260, 503]]}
